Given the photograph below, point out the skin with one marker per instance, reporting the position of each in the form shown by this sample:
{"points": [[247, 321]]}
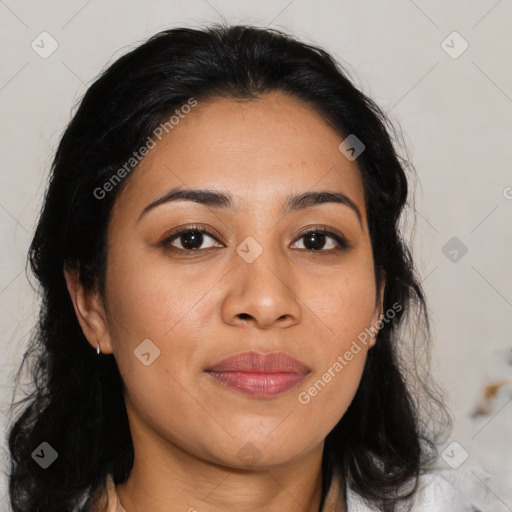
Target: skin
{"points": [[198, 308]]}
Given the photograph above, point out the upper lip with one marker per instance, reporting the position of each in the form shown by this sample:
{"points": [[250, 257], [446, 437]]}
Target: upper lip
{"points": [[259, 362]]}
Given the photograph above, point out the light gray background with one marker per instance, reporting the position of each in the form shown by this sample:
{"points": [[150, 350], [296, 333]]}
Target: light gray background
{"points": [[456, 117]]}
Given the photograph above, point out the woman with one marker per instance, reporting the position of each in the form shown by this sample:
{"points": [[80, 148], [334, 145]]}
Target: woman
{"points": [[224, 284]]}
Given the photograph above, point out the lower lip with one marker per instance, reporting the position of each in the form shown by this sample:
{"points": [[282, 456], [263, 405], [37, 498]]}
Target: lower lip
{"points": [[261, 385]]}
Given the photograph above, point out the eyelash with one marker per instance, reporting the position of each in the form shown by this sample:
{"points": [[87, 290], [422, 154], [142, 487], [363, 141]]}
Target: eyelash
{"points": [[338, 238]]}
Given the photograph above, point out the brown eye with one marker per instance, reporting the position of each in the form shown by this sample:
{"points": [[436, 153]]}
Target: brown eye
{"points": [[190, 240], [193, 240], [322, 240]]}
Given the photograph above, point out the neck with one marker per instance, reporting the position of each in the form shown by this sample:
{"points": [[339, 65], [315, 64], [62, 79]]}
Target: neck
{"points": [[183, 482]]}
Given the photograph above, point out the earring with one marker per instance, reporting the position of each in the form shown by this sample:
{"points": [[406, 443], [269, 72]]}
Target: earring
{"points": [[98, 349]]}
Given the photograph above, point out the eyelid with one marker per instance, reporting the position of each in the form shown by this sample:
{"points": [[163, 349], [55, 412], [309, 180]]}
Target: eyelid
{"points": [[177, 231], [333, 233], [338, 236]]}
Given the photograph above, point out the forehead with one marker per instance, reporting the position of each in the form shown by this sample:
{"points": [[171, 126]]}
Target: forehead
{"points": [[259, 150]]}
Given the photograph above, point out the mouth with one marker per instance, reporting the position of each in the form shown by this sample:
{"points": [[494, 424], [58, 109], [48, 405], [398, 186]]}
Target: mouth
{"points": [[258, 374]]}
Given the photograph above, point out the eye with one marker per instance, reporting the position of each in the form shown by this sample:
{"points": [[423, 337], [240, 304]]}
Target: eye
{"points": [[323, 240], [190, 240]]}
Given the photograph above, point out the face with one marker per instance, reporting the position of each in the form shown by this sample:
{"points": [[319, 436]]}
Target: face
{"points": [[190, 283]]}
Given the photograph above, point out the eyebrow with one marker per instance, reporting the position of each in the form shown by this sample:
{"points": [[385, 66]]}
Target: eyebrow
{"points": [[217, 199]]}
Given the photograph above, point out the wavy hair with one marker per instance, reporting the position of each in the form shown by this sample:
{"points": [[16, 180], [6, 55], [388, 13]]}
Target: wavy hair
{"points": [[383, 442]]}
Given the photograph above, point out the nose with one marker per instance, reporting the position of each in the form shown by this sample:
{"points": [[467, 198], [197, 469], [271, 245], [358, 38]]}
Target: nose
{"points": [[262, 293]]}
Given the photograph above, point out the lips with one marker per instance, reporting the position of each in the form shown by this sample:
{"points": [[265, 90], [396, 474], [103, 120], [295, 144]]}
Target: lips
{"points": [[259, 374]]}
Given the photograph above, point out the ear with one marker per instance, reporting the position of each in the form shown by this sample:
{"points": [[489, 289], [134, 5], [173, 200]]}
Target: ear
{"points": [[89, 311], [379, 312]]}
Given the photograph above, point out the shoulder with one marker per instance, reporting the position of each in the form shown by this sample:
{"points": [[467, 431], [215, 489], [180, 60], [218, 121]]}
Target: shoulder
{"points": [[437, 492], [103, 497]]}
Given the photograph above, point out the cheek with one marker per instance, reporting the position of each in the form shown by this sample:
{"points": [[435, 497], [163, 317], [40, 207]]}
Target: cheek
{"points": [[156, 303], [148, 298], [342, 303], [343, 309], [332, 387]]}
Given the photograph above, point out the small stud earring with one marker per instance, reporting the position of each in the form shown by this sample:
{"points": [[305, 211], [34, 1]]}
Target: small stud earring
{"points": [[98, 349]]}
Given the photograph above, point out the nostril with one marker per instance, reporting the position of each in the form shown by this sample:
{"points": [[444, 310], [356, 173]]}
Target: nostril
{"points": [[244, 316]]}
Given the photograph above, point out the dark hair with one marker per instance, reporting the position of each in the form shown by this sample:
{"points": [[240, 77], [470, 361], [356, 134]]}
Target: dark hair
{"points": [[381, 444]]}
